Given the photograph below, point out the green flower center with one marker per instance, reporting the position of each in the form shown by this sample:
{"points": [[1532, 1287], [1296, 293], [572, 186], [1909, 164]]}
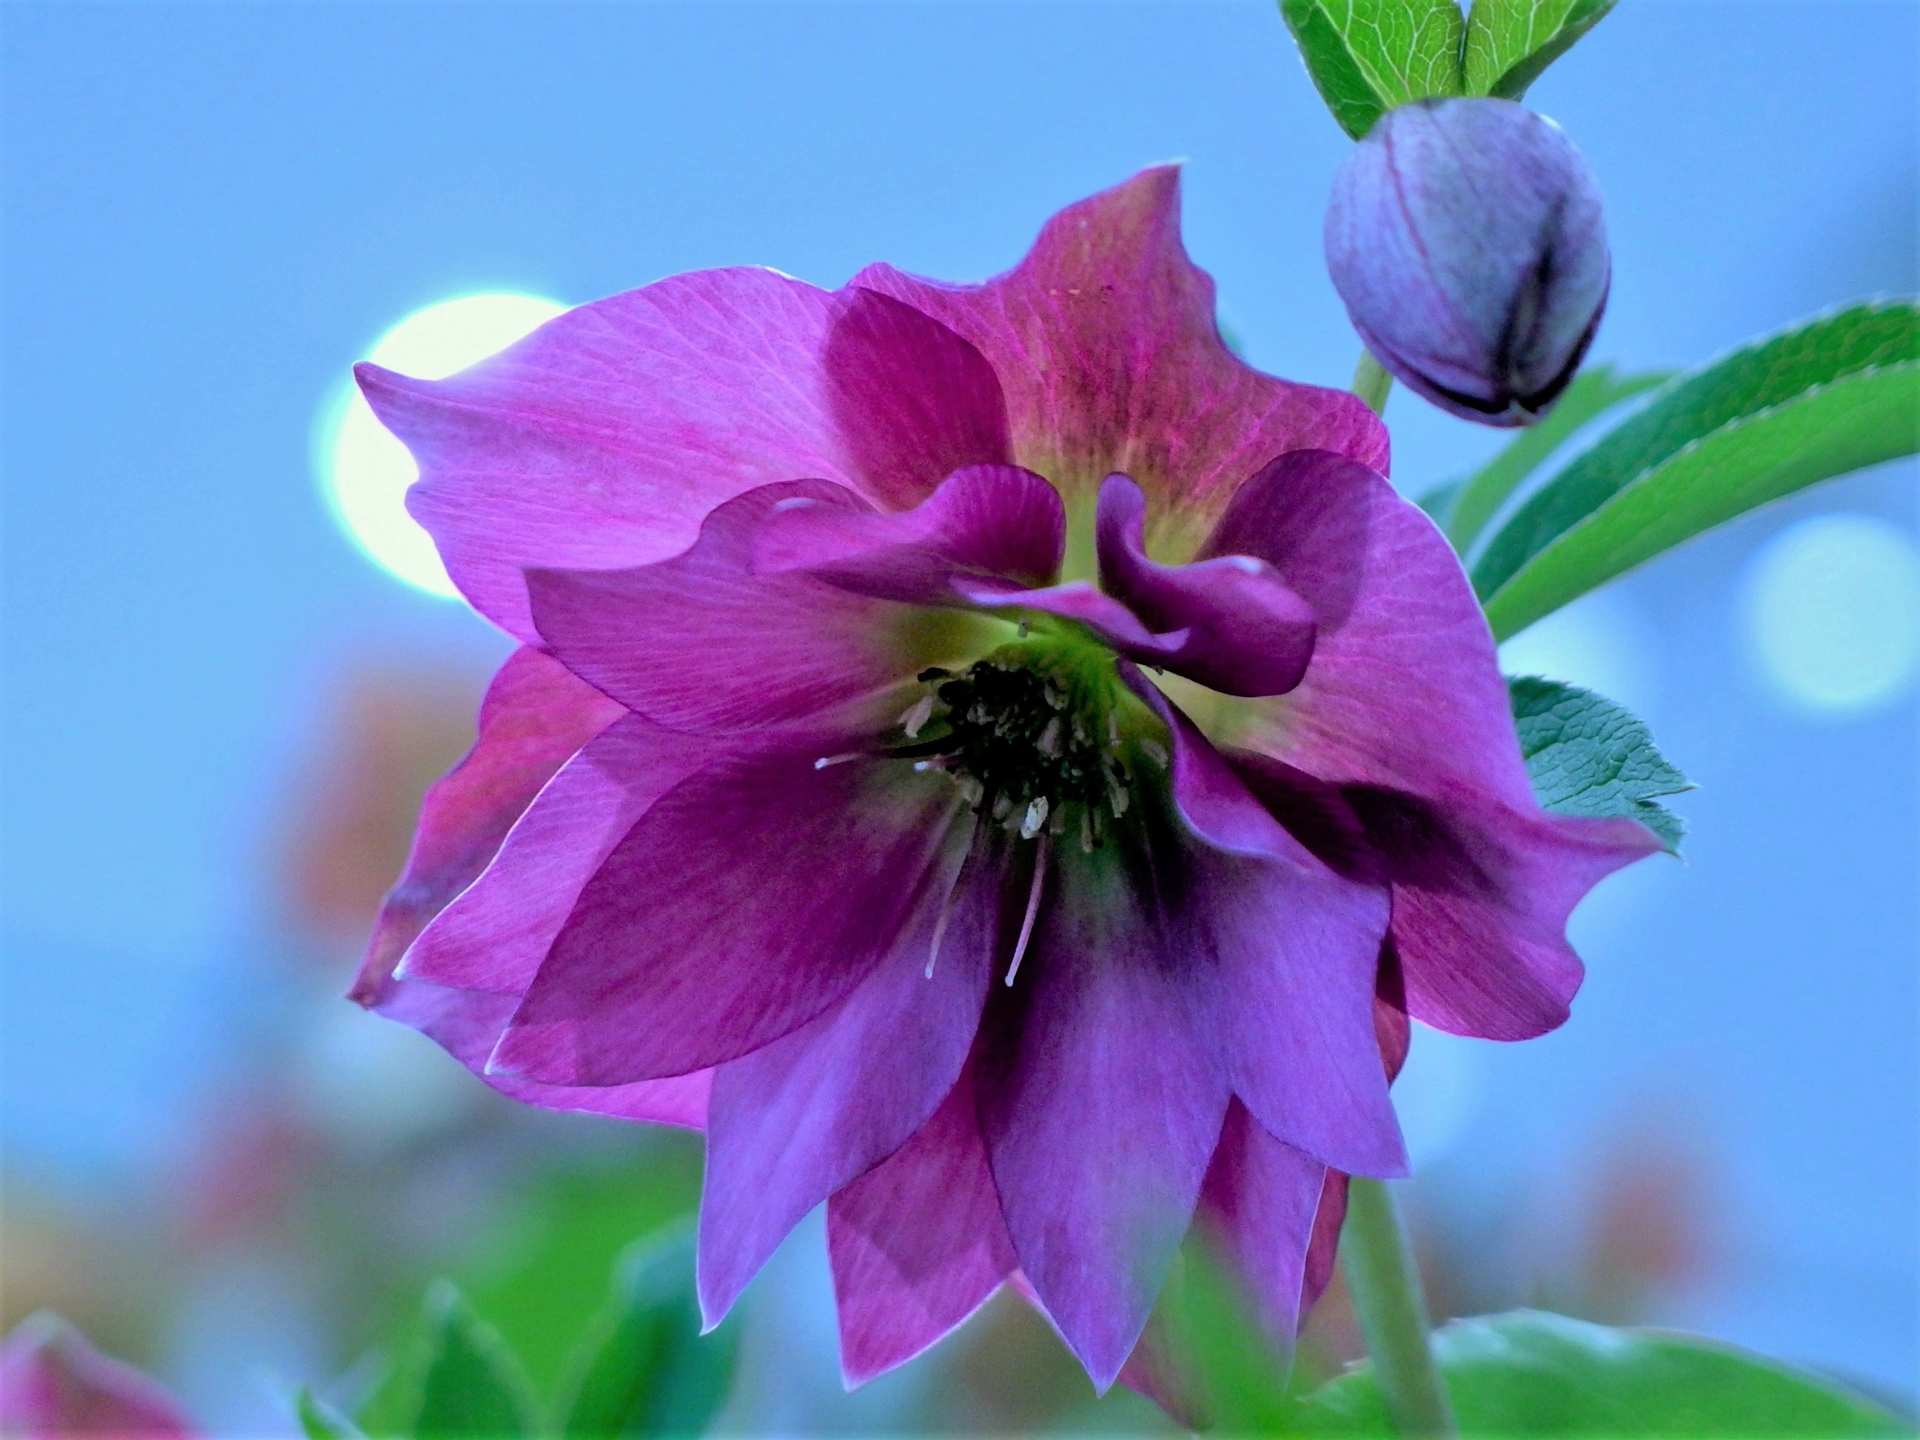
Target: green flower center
{"points": [[1041, 736]]}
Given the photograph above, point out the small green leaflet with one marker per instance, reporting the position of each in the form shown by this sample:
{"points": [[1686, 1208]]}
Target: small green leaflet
{"points": [[1463, 508], [1589, 756], [1834, 394], [1509, 42], [320, 1421], [644, 1369], [1367, 56], [1531, 1373], [469, 1384]]}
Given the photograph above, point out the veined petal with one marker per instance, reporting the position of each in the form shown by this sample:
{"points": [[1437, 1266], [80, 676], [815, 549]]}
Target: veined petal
{"points": [[536, 714], [1106, 347], [496, 933], [1404, 689], [1100, 1095], [1245, 632], [602, 440], [468, 1024], [813, 1111], [1481, 896], [702, 642], [995, 522], [1258, 1206], [917, 1243], [750, 898]]}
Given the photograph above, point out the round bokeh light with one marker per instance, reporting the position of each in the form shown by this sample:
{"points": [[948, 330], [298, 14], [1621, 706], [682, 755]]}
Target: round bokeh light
{"points": [[1833, 612], [365, 472]]}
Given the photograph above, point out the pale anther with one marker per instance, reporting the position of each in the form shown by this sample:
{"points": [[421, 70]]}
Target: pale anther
{"points": [[825, 760], [1035, 817], [917, 716]]}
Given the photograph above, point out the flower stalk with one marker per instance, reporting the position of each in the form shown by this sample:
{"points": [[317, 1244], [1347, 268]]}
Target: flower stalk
{"points": [[1385, 1286], [1371, 382]]}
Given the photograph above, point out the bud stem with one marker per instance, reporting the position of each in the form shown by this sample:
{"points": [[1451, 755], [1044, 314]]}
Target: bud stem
{"points": [[1371, 382], [1385, 1287]]}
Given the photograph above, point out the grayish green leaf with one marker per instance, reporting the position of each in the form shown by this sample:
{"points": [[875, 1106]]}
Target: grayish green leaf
{"points": [[1588, 756], [644, 1369], [470, 1386], [1478, 497], [1367, 56], [1534, 1374], [1509, 42], [1832, 395]]}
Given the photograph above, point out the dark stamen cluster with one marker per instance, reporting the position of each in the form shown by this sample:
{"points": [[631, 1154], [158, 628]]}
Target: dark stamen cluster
{"points": [[1030, 747]]}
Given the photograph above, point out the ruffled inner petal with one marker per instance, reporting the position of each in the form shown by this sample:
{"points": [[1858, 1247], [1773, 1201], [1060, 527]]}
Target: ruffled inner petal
{"points": [[918, 1243], [1245, 632], [702, 642], [604, 438], [750, 898], [986, 522], [1404, 689]]}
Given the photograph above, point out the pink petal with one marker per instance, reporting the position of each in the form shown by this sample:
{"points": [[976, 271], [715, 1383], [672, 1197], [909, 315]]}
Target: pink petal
{"points": [[1404, 720], [917, 1243], [496, 933], [1480, 907], [1258, 1204], [54, 1384], [795, 1121], [986, 521], [1077, 600], [468, 1024], [1245, 632], [535, 715], [1107, 350], [749, 899], [1404, 689], [1100, 1096], [603, 439], [702, 642]]}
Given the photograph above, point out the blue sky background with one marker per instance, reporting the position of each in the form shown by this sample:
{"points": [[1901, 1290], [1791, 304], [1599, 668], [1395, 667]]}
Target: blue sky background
{"points": [[212, 208]]}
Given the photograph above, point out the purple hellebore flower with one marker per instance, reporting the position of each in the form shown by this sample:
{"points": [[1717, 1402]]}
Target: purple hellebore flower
{"points": [[54, 1384], [979, 752], [1466, 238]]}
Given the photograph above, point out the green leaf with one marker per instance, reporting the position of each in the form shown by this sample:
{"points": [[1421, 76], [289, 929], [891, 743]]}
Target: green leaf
{"points": [[1832, 395], [1535, 1374], [1367, 56], [1509, 42], [1478, 497], [644, 1369], [469, 1384], [320, 1421], [1589, 756]]}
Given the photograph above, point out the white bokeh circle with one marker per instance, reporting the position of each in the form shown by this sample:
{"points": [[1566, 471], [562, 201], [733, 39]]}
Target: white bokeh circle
{"points": [[1832, 612], [365, 472]]}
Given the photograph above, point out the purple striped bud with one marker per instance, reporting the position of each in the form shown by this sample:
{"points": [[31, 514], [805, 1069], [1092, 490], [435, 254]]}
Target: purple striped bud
{"points": [[1466, 238]]}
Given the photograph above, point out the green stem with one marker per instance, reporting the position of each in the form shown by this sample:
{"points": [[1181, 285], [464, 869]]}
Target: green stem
{"points": [[1393, 1314], [1371, 382]]}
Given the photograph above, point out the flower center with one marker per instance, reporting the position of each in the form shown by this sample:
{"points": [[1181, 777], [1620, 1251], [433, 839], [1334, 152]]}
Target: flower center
{"points": [[1038, 737]]}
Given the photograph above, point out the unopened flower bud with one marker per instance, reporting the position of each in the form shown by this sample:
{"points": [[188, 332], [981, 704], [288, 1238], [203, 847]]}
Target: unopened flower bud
{"points": [[1466, 238]]}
